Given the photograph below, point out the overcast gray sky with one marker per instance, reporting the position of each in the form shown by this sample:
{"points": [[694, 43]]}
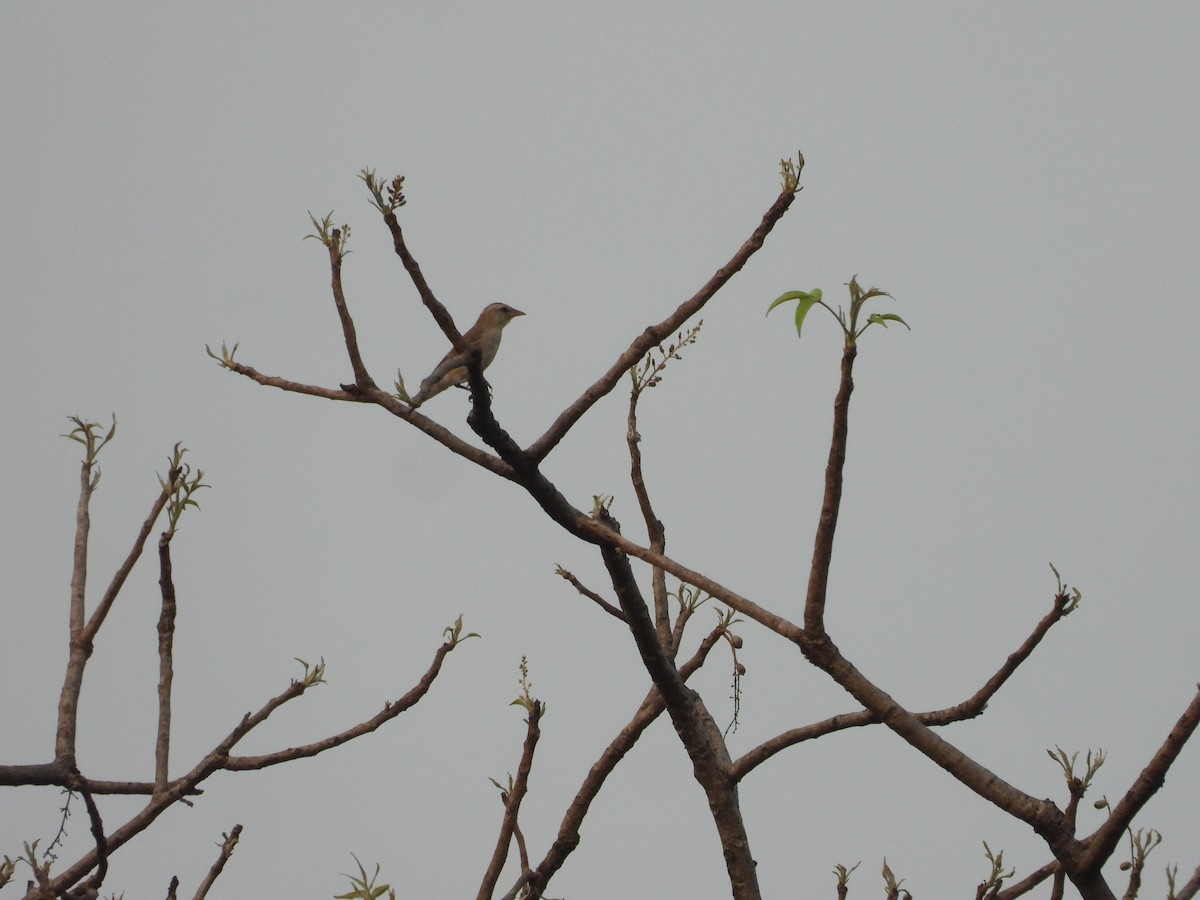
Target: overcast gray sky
{"points": [[1022, 177]]}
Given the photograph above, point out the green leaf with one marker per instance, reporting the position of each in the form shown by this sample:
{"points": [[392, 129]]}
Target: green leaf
{"points": [[802, 309], [813, 295], [807, 300], [884, 318]]}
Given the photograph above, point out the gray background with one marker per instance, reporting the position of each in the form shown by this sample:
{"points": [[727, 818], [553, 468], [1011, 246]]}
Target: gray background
{"points": [[1022, 177]]}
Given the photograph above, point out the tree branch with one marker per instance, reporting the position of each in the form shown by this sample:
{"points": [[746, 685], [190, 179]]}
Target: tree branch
{"points": [[1191, 889], [655, 530], [697, 732], [446, 438], [968, 709], [655, 334], [80, 649], [435, 307], [166, 674], [1103, 841], [361, 379], [218, 866], [600, 533], [181, 787], [818, 579], [118, 580], [1029, 882], [512, 804], [389, 712], [613, 611], [568, 832]]}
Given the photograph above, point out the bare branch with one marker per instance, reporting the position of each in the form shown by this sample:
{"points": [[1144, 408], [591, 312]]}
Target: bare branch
{"points": [[446, 438], [438, 311], [336, 255], [166, 672], [118, 579], [80, 649], [97, 826], [613, 611], [818, 579], [390, 711]]}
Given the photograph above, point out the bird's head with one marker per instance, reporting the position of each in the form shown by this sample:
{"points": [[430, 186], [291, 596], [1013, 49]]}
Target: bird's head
{"points": [[499, 314]]}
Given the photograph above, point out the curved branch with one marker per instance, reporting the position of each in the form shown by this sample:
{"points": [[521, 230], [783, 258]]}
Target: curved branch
{"points": [[390, 711], [968, 709]]}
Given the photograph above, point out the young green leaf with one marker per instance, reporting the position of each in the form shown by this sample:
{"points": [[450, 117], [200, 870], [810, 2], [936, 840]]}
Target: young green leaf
{"points": [[884, 318], [807, 300]]}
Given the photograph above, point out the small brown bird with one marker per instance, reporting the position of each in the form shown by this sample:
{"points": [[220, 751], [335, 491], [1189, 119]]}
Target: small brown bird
{"points": [[483, 335]]}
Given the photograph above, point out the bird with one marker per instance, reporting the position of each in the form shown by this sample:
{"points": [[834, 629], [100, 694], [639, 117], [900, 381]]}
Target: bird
{"points": [[484, 336]]}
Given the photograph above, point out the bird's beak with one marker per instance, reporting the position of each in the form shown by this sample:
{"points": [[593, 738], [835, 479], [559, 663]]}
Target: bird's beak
{"points": [[516, 312]]}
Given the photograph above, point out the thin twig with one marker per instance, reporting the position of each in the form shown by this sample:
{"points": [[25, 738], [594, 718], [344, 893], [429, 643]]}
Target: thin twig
{"points": [[390, 711], [1029, 882], [227, 845], [97, 826], [435, 307], [614, 611], [655, 529], [118, 580], [443, 436]]}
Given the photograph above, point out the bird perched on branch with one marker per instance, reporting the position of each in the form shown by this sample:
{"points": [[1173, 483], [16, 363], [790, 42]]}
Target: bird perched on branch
{"points": [[484, 336]]}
